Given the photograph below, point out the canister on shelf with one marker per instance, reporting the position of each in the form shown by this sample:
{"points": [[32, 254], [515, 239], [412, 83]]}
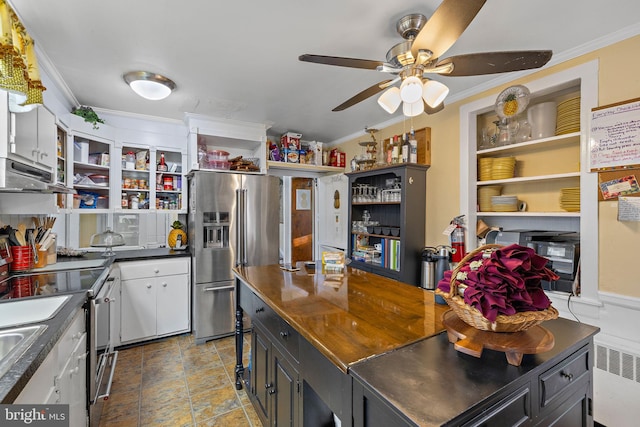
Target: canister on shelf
{"points": [[168, 183]]}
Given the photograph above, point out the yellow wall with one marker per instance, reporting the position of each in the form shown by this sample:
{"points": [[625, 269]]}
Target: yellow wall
{"points": [[619, 80]]}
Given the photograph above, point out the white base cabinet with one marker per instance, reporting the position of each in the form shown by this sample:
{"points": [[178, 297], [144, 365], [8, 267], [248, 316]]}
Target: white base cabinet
{"points": [[155, 299], [62, 377]]}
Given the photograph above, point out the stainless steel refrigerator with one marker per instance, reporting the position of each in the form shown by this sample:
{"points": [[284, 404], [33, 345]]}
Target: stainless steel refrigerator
{"points": [[233, 220]]}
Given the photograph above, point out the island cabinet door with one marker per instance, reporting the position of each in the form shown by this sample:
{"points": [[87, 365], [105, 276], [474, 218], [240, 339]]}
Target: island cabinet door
{"points": [[285, 391], [260, 375], [370, 410]]}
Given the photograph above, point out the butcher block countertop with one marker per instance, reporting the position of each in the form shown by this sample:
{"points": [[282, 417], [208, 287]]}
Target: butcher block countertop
{"points": [[351, 316]]}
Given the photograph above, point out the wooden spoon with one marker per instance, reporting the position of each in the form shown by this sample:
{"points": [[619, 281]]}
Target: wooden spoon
{"points": [[21, 234]]}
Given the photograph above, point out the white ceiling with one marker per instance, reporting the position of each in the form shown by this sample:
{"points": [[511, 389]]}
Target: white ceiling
{"points": [[239, 59]]}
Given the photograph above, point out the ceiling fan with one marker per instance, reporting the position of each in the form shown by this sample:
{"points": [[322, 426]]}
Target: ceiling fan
{"points": [[419, 55]]}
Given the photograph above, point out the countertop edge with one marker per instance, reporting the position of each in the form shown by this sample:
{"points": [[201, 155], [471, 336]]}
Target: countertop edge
{"points": [[16, 378]]}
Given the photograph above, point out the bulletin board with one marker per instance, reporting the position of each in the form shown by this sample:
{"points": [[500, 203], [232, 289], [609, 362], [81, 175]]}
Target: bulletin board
{"points": [[614, 137]]}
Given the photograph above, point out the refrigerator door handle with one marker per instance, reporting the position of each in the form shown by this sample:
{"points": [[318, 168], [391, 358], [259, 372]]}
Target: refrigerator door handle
{"points": [[239, 228], [244, 227]]}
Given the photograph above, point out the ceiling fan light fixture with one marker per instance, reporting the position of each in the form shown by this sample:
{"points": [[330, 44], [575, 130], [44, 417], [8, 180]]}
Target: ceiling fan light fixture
{"points": [[414, 109], [148, 85], [434, 93], [411, 90], [390, 100]]}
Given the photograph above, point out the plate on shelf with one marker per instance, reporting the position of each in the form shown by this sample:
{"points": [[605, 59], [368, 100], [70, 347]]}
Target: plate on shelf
{"points": [[512, 101]]}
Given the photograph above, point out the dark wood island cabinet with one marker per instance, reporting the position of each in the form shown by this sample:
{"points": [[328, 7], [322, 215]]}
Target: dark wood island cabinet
{"points": [[370, 351]]}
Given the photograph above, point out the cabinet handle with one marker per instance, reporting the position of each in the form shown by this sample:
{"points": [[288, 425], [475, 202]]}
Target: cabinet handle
{"points": [[567, 376], [156, 270], [43, 155], [260, 309], [272, 391], [284, 334], [149, 286], [164, 284], [268, 385]]}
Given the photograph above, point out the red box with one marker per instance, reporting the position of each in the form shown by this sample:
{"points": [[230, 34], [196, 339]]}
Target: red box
{"points": [[337, 158], [291, 141]]}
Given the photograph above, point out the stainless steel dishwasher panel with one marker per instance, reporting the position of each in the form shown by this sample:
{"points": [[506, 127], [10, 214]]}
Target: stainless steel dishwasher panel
{"points": [[214, 310]]}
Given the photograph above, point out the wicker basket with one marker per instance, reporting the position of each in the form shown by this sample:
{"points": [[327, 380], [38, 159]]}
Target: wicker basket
{"points": [[473, 317]]}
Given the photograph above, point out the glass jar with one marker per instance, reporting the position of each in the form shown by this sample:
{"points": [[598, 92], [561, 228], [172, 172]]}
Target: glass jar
{"points": [[130, 160]]}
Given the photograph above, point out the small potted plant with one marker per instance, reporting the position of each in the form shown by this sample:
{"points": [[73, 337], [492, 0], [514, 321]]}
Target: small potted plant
{"points": [[88, 115]]}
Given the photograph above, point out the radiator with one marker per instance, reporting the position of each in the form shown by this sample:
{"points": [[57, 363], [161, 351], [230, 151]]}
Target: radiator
{"points": [[616, 386]]}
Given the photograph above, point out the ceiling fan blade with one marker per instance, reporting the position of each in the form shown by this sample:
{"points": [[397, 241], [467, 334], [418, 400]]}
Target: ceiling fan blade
{"points": [[341, 62], [433, 110], [367, 93], [446, 24], [474, 64]]}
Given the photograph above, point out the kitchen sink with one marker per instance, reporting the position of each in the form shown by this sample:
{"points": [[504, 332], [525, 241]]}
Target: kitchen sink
{"points": [[73, 265], [19, 312], [14, 342]]}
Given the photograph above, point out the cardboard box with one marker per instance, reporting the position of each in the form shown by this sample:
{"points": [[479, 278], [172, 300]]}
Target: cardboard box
{"points": [[291, 141]]}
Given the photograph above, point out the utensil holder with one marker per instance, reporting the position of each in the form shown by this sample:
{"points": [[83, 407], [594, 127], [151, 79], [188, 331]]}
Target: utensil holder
{"points": [[22, 258], [42, 258]]}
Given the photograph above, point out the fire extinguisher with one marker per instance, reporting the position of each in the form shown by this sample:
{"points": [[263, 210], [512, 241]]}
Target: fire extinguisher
{"points": [[457, 239]]}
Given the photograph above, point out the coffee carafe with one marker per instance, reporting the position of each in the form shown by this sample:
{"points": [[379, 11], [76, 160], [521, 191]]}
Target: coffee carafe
{"points": [[435, 261]]}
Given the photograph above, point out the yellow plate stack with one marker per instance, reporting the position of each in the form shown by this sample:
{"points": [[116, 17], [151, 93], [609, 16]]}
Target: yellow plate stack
{"points": [[570, 199], [568, 116], [503, 168], [485, 194], [485, 165]]}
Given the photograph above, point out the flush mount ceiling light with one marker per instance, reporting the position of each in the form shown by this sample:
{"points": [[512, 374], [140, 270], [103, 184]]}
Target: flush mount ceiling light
{"points": [[149, 85]]}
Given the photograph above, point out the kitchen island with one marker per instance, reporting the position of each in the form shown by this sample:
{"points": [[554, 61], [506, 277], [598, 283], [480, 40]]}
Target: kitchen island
{"points": [[371, 351]]}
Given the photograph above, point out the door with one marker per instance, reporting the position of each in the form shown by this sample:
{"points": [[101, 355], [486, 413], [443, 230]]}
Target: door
{"points": [[138, 309], [302, 219], [214, 309], [332, 206], [212, 225], [261, 219], [172, 304]]}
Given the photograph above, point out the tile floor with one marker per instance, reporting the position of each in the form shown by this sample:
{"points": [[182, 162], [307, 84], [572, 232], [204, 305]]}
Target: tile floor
{"points": [[174, 382]]}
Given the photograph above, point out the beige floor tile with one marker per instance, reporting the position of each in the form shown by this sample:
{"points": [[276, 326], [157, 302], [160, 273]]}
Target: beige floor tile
{"points": [[176, 413], [211, 403], [175, 382], [126, 381], [197, 360], [120, 406], [154, 374], [227, 354], [235, 418], [225, 342], [163, 392], [252, 415], [131, 421], [207, 379]]}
